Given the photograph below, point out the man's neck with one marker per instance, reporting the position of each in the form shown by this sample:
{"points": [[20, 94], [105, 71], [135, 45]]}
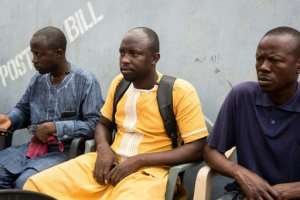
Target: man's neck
{"points": [[283, 96], [62, 70], [147, 83]]}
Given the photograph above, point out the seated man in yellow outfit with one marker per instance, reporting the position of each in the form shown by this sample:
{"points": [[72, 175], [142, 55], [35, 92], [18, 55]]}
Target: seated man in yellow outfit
{"points": [[136, 165]]}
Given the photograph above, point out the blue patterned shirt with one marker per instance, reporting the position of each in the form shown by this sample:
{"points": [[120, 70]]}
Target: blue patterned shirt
{"points": [[73, 105]]}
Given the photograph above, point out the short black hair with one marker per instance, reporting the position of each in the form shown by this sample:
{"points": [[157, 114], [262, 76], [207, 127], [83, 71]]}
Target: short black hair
{"points": [[152, 36], [55, 38], [286, 30]]}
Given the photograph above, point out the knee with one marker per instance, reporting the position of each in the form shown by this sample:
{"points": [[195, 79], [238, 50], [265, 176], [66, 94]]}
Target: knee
{"points": [[23, 178]]}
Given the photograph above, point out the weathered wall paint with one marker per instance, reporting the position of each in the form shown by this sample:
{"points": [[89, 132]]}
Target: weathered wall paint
{"points": [[211, 43]]}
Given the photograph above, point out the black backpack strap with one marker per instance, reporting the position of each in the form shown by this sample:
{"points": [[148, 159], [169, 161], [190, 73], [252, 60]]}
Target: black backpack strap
{"points": [[165, 105], [119, 92]]}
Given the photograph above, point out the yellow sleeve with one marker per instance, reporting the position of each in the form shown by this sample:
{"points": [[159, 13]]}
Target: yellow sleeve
{"points": [[188, 112], [107, 108]]}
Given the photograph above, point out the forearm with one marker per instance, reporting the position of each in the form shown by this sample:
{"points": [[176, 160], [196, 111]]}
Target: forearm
{"points": [[103, 137], [68, 129], [288, 190], [187, 153], [219, 162], [293, 192], [18, 119]]}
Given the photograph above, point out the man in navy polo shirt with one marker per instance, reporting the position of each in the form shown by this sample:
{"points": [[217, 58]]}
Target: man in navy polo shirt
{"points": [[262, 119]]}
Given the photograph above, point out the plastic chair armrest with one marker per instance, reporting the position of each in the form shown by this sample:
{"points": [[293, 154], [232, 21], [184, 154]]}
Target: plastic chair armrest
{"points": [[90, 145], [172, 177], [76, 147], [204, 177]]}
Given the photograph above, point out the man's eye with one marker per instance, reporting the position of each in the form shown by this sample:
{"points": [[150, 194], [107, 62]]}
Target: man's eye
{"points": [[259, 59], [122, 53], [37, 54], [134, 54], [274, 60]]}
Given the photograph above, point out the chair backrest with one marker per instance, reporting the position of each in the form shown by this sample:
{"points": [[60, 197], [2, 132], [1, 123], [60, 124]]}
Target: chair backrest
{"points": [[12, 194], [209, 124]]}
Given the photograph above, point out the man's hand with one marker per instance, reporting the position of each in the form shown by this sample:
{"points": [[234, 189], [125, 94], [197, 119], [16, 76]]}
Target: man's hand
{"points": [[253, 186], [124, 169], [44, 130], [105, 161], [35, 140], [5, 123]]}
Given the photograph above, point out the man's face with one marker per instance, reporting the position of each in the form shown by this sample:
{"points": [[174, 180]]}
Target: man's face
{"points": [[44, 58], [136, 58], [277, 63]]}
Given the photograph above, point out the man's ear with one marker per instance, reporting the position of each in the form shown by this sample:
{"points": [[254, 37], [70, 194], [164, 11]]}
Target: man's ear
{"points": [[60, 52], [156, 57]]}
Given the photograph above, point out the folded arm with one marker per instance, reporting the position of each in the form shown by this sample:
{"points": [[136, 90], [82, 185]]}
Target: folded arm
{"points": [[288, 190], [187, 153], [252, 185]]}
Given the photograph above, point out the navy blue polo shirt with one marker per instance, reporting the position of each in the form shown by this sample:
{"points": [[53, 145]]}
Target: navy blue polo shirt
{"points": [[267, 136]]}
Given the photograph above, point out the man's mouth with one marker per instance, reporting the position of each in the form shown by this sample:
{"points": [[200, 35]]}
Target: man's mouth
{"points": [[264, 78], [37, 67], [264, 81], [125, 70]]}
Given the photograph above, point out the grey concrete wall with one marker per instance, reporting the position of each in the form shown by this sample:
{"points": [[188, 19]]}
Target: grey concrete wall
{"points": [[211, 43]]}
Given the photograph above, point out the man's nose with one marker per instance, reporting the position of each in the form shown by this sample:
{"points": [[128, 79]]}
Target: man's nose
{"points": [[34, 59], [265, 65], [125, 59]]}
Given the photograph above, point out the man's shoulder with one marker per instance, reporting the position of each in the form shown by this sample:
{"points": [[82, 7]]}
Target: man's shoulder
{"points": [[244, 93], [83, 74], [246, 88], [116, 80], [181, 85], [38, 78]]}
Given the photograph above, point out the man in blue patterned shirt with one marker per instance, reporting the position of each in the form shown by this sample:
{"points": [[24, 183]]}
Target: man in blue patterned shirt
{"points": [[61, 102]]}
